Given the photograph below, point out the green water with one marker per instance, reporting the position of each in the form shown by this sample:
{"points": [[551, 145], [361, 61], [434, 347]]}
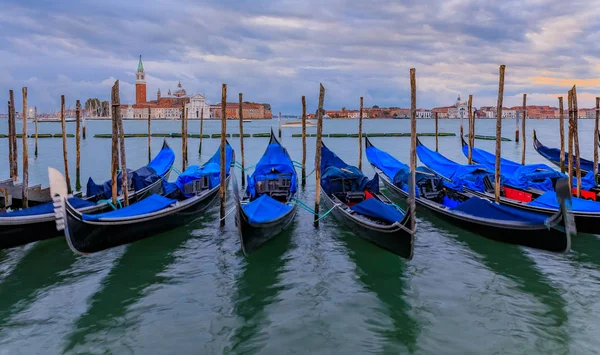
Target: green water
{"points": [[318, 291]]}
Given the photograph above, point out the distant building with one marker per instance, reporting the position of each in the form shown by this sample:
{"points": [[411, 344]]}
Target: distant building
{"points": [[250, 110], [422, 113], [197, 107]]}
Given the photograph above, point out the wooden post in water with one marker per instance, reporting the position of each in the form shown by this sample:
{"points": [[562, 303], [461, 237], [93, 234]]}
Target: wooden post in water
{"points": [[517, 130], [279, 124], [115, 145], [63, 123], [124, 180], [183, 157], [523, 128], [570, 141], [360, 118], [77, 145], [576, 139], [471, 130], [241, 116], [223, 186], [186, 135], [35, 118], [24, 187], [561, 113], [413, 146], [201, 127], [149, 135], [318, 153], [435, 116], [9, 131], [303, 140], [83, 126], [12, 136], [499, 132], [596, 136]]}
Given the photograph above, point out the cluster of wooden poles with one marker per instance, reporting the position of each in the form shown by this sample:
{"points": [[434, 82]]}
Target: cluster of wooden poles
{"points": [[13, 151]]}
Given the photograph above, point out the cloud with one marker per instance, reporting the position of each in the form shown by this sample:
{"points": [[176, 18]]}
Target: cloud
{"points": [[277, 51]]}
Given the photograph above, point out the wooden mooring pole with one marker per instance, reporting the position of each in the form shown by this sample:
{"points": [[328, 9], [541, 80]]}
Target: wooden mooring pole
{"points": [[9, 131], [471, 130], [223, 185], [183, 155], [318, 153], [523, 128], [576, 140], [499, 132], [435, 116], [124, 180], [303, 140], [12, 136], [517, 129], [360, 118], [77, 145], [570, 141], [63, 123], [241, 116], [561, 113], [201, 128], [35, 118], [279, 125], [83, 126], [149, 135], [413, 146], [25, 185], [114, 98], [596, 135]]}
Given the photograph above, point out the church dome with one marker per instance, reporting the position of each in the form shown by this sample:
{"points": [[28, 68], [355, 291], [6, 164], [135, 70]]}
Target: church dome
{"points": [[180, 92]]}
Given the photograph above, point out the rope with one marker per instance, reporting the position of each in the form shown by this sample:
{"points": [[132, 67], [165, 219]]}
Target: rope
{"points": [[399, 208], [228, 213], [310, 173], [326, 213], [175, 171], [109, 203], [305, 207]]}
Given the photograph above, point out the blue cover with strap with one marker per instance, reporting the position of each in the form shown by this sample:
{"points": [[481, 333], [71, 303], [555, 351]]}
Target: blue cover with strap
{"points": [[536, 176], [46, 208], [212, 169], [265, 209], [376, 209], [459, 175], [274, 163], [337, 176], [394, 169], [138, 179], [482, 208], [553, 154], [548, 200], [150, 204]]}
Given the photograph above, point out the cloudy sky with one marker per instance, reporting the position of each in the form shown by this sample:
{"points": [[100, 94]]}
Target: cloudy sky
{"points": [[276, 51]]}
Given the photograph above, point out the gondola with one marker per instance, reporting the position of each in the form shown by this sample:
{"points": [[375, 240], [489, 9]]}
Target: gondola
{"points": [[585, 210], [465, 210], [553, 155], [355, 201], [37, 223], [267, 206], [181, 202]]}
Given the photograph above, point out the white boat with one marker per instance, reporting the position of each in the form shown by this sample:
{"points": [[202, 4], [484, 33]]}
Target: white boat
{"points": [[292, 124]]}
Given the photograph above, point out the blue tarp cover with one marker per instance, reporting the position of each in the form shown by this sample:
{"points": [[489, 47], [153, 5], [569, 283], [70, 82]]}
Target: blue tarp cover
{"points": [[265, 209], [390, 166], [46, 208], [138, 179], [548, 200], [333, 169], [150, 204], [479, 207], [460, 175], [514, 174], [376, 209], [274, 161], [212, 168], [553, 154]]}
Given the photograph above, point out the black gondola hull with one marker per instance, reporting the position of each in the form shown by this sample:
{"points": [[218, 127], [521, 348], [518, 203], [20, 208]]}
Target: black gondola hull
{"points": [[539, 237], [253, 235], [90, 237], [18, 231], [393, 238]]}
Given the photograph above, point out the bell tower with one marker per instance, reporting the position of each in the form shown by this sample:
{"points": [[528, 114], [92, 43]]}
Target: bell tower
{"points": [[140, 84]]}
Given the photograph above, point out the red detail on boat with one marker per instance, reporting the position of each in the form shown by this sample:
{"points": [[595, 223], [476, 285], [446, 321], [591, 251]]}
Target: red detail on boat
{"points": [[517, 195], [588, 195]]}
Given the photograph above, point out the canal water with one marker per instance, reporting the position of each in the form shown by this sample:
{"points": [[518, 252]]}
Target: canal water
{"points": [[319, 291]]}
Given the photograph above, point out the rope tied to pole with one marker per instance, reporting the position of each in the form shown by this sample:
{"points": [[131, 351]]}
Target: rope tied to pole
{"points": [[228, 213]]}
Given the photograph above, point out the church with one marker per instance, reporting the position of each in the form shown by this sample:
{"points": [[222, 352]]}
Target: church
{"points": [[164, 107]]}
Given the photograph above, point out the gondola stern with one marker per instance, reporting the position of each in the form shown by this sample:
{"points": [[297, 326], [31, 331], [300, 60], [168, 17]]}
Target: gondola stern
{"points": [[368, 143]]}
